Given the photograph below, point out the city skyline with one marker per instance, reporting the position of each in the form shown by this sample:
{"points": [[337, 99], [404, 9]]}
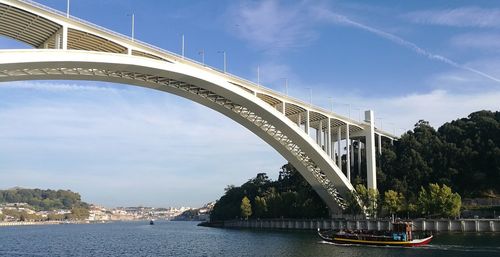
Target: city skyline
{"points": [[110, 142]]}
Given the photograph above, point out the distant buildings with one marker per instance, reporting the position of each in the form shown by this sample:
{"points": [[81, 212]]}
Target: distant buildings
{"points": [[13, 211]]}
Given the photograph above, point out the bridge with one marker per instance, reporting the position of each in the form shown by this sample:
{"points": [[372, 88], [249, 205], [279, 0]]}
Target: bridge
{"points": [[311, 138]]}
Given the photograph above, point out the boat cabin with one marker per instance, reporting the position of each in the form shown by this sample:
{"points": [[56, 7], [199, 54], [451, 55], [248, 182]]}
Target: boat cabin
{"points": [[402, 231]]}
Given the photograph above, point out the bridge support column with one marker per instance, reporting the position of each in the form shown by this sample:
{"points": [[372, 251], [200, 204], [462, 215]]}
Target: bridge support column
{"points": [[307, 122], [339, 156], [352, 153], [371, 169], [57, 41], [348, 153], [379, 144], [65, 38], [319, 133], [328, 139], [283, 108], [359, 156]]}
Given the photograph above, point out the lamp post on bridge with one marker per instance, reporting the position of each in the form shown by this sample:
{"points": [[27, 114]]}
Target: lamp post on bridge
{"points": [[359, 113], [182, 45], [202, 53], [348, 108], [310, 96], [380, 122], [133, 26], [67, 9], [225, 63], [286, 86], [258, 75]]}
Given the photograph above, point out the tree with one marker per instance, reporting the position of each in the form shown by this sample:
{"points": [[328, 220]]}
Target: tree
{"points": [[393, 201], [439, 201], [79, 213], [55, 216], [369, 199], [246, 207], [260, 206], [463, 154], [45, 200], [353, 206]]}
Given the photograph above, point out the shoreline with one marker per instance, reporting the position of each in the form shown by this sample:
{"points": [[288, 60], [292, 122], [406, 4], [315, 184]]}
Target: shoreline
{"points": [[421, 225], [40, 223]]}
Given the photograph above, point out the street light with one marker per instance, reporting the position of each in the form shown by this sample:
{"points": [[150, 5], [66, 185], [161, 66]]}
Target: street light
{"points": [[182, 45], [286, 86], [359, 113], [133, 26], [67, 9], [380, 121], [393, 127], [225, 63], [331, 103], [310, 96], [258, 75], [202, 53]]}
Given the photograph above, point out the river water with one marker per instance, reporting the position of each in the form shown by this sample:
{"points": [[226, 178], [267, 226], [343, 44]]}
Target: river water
{"points": [[186, 239]]}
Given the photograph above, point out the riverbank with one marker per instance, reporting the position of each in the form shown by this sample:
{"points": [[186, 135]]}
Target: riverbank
{"points": [[425, 225], [35, 223]]}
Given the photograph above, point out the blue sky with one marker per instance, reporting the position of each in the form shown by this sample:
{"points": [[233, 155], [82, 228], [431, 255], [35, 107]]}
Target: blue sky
{"points": [[123, 145]]}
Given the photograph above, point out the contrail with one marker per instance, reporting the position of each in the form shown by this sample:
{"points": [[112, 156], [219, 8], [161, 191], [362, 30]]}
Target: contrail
{"points": [[337, 18]]}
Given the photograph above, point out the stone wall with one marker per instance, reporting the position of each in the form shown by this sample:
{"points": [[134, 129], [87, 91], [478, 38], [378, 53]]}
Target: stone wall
{"points": [[439, 225]]}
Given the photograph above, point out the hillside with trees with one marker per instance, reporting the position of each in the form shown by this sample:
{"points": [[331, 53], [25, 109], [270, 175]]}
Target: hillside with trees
{"points": [[423, 174], [289, 196], [43, 200], [463, 154]]}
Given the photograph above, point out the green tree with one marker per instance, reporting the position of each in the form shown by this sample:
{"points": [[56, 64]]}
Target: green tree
{"points": [[79, 213], [55, 217], [353, 206], [12, 213], [260, 207], [43, 199], [439, 201], [393, 201], [246, 207], [369, 199]]}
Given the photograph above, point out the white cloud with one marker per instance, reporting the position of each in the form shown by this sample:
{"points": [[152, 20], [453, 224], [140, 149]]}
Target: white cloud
{"points": [[437, 107], [272, 25], [336, 18], [454, 94], [481, 41], [458, 17], [77, 135], [56, 87], [396, 114]]}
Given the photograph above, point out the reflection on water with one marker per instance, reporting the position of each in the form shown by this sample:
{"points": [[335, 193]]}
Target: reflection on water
{"points": [[186, 239]]}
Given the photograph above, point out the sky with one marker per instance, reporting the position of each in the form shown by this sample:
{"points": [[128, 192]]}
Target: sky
{"points": [[120, 145]]}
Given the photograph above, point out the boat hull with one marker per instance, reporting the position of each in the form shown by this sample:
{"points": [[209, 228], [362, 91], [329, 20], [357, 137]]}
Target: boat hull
{"points": [[412, 243]]}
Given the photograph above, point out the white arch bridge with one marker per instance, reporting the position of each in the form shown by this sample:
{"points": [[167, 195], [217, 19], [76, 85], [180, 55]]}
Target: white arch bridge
{"points": [[68, 48]]}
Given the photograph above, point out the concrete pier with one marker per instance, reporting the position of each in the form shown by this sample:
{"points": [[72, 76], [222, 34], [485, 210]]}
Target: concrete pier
{"points": [[429, 225]]}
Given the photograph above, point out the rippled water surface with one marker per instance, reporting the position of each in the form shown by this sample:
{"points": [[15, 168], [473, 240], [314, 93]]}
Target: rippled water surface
{"points": [[186, 239]]}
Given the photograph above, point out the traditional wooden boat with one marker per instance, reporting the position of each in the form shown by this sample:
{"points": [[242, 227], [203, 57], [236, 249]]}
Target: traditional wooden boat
{"points": [[400, 235]]}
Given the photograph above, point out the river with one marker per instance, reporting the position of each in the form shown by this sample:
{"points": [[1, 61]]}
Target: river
{"points": [[186, 239]]}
